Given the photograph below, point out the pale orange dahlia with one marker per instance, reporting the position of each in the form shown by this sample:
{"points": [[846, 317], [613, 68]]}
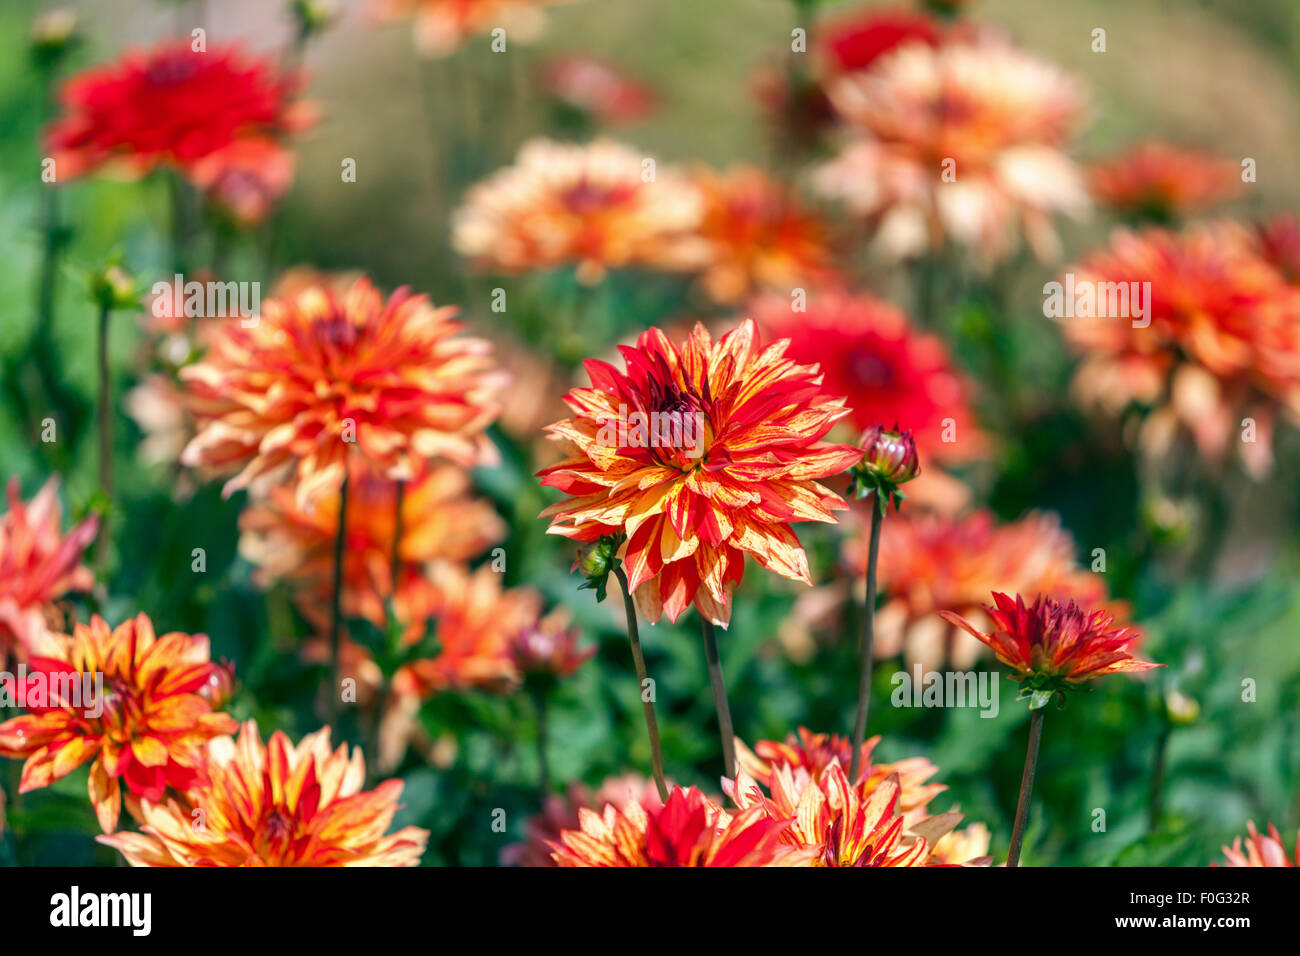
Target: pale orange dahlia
{"points": [[441, 520], [1160, 181], [930, 563], [991, 117], [442, 26], [594, 206], [1259, 850], [39, 564], [1220, 340], [689, 830], [322, 373], [274, 805], [700, 455], [759, 236], [149, 727], [842, 824]]}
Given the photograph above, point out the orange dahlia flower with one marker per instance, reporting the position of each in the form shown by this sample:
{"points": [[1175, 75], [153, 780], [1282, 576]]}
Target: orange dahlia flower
{"points": [[1159, 181], [1219, 340], [597, 206], [758, 235], [441, 521], [842, 824], [146, 726], [1052, 645], [930, 563], [275, 805], [172, 105], [442, 26], [596, 89], [813, 754], [319, 373], [1259, 850], [701, 455], [963, 142], [689, 830], [39, 564]]}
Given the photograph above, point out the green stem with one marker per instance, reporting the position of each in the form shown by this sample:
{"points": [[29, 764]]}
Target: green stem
{"points": [[719, 697], [866, 647], [543, 769], [647, 706], [105, 436], [1026, 786], [1158, 777]]}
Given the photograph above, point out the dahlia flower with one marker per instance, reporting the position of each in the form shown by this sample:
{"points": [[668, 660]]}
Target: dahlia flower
{"points": [[172, 106], [157, 709], [548, 649], [592, 206], [701, 455], [1279, 244], [242, 183], [442, 26], [1219, 338], [1259, 850], [930, 563], [758, 235], [1052, 645], [842, 824], [318, 373], [1159, 181], [858, 40], [560, 813], [441, 521], [1001, 116], [689, 830], [39, 564], [274, 805]]}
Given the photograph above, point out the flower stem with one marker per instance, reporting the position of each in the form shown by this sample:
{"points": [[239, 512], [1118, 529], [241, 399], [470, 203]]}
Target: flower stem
{"points": [[398, 530], [719, 697], [867, 646], [647, 706], [105, 435], [1158, 778], [336, 598], [1026, 786]]}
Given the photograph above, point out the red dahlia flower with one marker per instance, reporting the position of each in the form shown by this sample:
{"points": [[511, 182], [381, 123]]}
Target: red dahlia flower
{"points": [[700, 455]]}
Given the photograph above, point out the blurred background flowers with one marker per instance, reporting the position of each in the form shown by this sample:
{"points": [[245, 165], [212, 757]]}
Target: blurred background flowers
{"points": [[887, 185]]}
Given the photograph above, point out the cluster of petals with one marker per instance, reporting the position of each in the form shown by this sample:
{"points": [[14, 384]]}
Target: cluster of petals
{"points": [[146, 726], [1260, 849], [325, 372], [1161, 181], [274, 804], [961, 140], [694, 506]]}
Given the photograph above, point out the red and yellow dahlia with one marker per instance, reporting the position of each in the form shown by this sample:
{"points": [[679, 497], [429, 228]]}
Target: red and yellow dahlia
{"points": [[323, 372], [172, 105], [689, 830], [441, 521], [39, 564], [759, 236], [1259, 850], [560, 813], [597, 206], [700, 455], [1054, 645], [147, 726], [1159, 181], [274, 805]]}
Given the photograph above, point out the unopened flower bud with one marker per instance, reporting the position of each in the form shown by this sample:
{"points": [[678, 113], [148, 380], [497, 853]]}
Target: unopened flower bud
{"points": [[888, 460]]}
